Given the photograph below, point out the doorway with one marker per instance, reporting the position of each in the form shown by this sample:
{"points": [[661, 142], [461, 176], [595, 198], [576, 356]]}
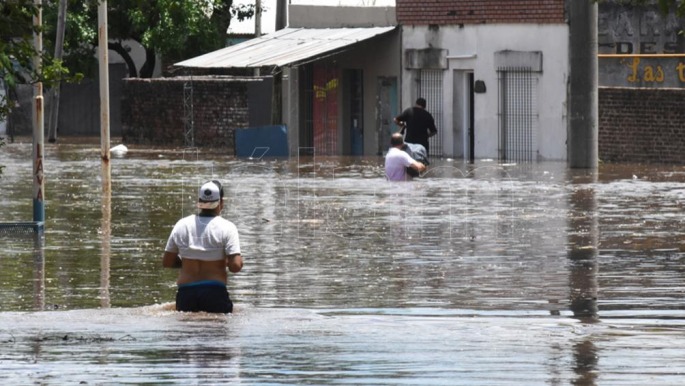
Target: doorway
{"points": [[355, 123], [387, 109], [463, 122]]}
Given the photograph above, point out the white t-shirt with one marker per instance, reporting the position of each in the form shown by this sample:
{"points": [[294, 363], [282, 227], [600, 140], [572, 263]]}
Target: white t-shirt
{"points": [[204, 238], [396, 162]]}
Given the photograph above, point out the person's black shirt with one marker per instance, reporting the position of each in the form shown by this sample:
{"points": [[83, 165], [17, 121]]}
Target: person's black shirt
{"points": [[419, 122]]}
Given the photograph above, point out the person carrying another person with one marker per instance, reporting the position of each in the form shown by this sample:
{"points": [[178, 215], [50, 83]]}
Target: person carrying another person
{"points": [[203, 246], [418, 124], [397, 161]]}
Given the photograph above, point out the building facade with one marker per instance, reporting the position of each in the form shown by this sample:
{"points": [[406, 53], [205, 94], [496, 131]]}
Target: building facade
{"points": [[640, 46], [494, 75], [642, 83], [335, 72]]}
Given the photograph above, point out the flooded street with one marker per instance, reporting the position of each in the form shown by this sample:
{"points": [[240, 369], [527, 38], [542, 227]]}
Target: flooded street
{"points": [[476, 274]]}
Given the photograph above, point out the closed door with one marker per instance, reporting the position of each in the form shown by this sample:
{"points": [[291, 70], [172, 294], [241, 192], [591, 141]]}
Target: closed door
{"points": [[356, 122]]}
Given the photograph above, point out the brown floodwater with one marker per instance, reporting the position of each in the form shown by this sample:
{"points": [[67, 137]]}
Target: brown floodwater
{"points": [[475, 274]]}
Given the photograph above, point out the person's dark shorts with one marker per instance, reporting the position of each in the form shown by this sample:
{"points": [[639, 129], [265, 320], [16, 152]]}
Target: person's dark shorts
{"points": [[207, 296]]}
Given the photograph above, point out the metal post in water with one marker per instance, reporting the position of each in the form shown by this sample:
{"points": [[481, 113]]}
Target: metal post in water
{"points": [[103, 60], [38, 120], [39, 270], [105, 242], [38, 174], [257, 26], [106, 204], [583, 247]]}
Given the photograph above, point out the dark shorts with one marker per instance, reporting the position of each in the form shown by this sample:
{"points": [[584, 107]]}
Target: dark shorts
{"points": [[207, 296]]}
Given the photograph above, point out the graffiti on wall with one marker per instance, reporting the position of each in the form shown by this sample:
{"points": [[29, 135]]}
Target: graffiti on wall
{"points": [[325, 110], [653, 73], [639, 46], [320, 92]]}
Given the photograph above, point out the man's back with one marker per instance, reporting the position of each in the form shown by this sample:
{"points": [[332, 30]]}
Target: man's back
{"points": [[203, 242], [419, 122], [396, 163]]}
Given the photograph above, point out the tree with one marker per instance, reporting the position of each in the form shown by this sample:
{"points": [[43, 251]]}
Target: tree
{"points": [[666, 6], [17, 52], [175, 29], [16, 47], [678, 6], [172, 29]]}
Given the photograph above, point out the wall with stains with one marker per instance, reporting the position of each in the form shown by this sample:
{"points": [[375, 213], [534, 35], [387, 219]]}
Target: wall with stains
{"points": [[639, 46], [642, 125]]}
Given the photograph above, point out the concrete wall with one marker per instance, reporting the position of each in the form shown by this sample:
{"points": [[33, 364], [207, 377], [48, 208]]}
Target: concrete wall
{"points": [[79, 109], [336, 17], [642, 125], [472, 48]]}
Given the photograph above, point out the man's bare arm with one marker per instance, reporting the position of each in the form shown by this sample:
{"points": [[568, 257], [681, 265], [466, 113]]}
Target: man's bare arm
{"points": [[418, 166], [234, 262], [171, 260]]}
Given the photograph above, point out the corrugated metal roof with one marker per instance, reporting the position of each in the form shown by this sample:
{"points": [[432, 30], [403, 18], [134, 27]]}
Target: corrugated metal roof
{"points": [[283, 47]]}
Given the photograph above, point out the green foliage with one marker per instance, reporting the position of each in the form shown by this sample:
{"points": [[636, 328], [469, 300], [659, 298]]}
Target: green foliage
{"points": [[15, 45], [676, 7], [18, 54], [172, 29], [80, 37], [175, 29], [180, 29]]}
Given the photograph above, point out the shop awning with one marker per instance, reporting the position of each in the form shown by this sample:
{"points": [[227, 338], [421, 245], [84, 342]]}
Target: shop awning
{"points": [[284, 47]]}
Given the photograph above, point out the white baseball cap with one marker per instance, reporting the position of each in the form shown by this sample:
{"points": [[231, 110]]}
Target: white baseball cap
{"points": [[210, 194]]}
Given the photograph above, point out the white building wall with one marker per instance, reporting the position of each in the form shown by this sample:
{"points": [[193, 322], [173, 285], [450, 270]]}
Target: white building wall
{"points": [[328, 16], [473, 48]]}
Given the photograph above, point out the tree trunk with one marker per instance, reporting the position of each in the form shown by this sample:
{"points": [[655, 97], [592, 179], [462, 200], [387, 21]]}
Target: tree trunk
{"points": [[149, 67], [119, 49], [59, 51]]}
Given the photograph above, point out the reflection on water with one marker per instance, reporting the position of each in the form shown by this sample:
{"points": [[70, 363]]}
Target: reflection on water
{"points": [[480, 274]]}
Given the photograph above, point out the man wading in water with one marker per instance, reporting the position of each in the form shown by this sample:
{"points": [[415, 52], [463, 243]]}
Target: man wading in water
{"points": [[398, 162], [418, 123], [203, 246]]}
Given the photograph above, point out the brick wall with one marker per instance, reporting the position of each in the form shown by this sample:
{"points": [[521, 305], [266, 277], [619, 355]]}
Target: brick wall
{"points": [[455, 12], [642, 125], [152, 111]]}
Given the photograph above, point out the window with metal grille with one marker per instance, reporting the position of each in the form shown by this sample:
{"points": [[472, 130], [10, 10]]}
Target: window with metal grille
{"points": [[517, 114], [430, 88]]}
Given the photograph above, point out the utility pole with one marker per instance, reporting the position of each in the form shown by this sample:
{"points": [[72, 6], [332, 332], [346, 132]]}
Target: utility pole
{"points": [[38, 119], [257, 26], [583, 137], [103, 61], [281, 14], [106, 167]]}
